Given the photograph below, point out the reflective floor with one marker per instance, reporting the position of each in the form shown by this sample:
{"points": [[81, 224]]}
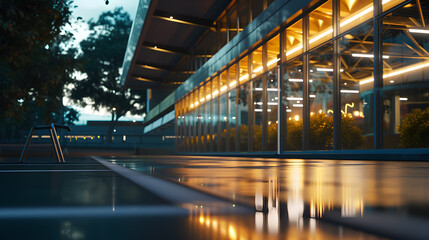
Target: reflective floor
{"points": [[297, 198], [284, 199]]}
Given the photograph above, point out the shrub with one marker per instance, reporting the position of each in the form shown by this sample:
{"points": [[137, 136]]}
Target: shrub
{"points": [[414, 129]]}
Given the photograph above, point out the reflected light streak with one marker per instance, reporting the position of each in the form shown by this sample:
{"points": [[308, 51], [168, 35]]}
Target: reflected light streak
{"points": [[399, 71], [272, 61], [244, 77]]}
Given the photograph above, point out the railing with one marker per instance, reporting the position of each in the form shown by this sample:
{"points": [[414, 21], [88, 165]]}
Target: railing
{"points": [[54, 137]]}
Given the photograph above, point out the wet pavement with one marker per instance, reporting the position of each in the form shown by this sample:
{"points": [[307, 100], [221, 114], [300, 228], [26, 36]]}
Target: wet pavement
{"points": [[389, 199], [188, 197]]}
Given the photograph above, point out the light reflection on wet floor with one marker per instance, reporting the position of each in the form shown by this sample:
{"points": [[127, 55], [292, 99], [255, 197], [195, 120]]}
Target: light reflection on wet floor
{"points": [[292, 193]]}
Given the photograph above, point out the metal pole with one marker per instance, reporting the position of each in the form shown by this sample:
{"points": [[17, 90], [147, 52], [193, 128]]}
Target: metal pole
{"points": [[59, 151], [51, 132], [27, 143]]}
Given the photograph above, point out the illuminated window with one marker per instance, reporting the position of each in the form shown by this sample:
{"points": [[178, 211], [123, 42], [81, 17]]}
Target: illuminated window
{"points": [[320, 24]]}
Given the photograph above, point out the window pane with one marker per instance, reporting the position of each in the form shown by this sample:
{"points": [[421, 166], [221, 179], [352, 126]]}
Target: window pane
{"points": [[243, 14], [215, 113], [232, 119], [223, 121], [222, 33], [273, 51], [293, 87], [320, 24], [257, 7], [406, 77], [293, 41], [232, 23], [353, 13], [356, 99], [223, 82], [321, 98], [257, 62], [244, 70], [243, 116], [257, 114], [272, 106]]}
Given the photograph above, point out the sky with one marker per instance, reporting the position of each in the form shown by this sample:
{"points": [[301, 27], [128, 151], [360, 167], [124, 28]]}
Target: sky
{"points": [[87, 9]]}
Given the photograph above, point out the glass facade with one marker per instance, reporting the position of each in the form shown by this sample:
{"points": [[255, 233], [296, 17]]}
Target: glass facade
{"points": [[338, 77]]}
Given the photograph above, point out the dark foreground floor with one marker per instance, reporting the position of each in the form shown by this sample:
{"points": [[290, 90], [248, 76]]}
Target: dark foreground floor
{"points": [[246, 199]]}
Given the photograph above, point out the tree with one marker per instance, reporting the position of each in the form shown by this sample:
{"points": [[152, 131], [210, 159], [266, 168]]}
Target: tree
{"points": [[100, 63], [34, 67]]}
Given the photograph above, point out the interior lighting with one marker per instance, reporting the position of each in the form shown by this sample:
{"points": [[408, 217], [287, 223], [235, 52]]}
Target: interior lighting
{"points": [[272, 104], [356, 113], [258, 69], [342, 24], [298, 105], [295, 80], [289, 110], [414, 30], [399, 71], [196, 103], [311, 113], [202, 100], [258, 110], [272, 89], [294, 98], [215, 93], [327, 70], [312, 96], [349, 91], [403, 99], [391, 81], [244, 77], [208, 96], [272, 61], [367, 55], [233, 83], [258, 103], [296, 117], [318, 37], [258, 89], [171, 17]]}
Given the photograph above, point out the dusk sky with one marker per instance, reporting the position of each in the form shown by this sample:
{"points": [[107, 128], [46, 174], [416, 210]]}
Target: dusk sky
{"points": [[92, 9]]}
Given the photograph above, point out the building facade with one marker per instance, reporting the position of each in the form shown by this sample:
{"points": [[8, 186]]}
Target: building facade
{"points": [[291, 76]]}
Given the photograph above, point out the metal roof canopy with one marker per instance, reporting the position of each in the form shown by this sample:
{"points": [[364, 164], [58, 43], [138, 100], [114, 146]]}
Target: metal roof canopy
{"points": [[163, 33]]}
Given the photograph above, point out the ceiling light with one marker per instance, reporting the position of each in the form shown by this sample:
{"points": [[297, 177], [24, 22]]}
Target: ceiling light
{"points": [[367, 55], [349, 91], [414, 30]]}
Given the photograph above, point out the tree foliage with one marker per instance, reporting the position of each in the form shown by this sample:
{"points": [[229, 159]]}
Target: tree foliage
{"points": [[100, 62], [34, 67], [414, 129]]}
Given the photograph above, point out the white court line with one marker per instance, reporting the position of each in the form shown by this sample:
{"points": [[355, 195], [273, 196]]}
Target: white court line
{"points": [[96, 211], [53, 170]]}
